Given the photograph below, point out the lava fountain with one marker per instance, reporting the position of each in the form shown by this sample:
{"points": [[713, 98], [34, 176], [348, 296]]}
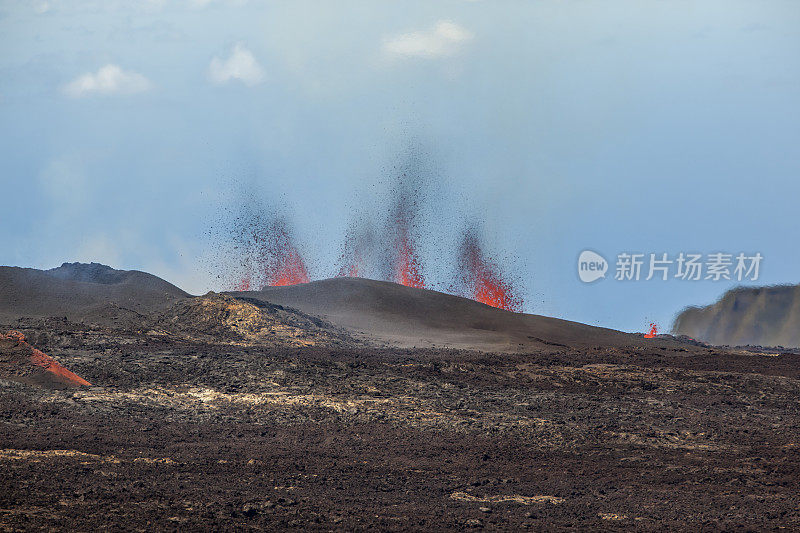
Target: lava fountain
{"points": [[405, 264], [264, 250], [279, 260], [482, 279], [243, 284], [407, 270], [653, 331]]}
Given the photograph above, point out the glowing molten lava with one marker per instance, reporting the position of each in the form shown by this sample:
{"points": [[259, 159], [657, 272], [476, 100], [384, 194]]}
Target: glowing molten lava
{"points": [[653, 331], [280, 262], [46, 362], [408, 270], [291, 269], [482, 279], [266, 252], [404, 264], [351, 272]]}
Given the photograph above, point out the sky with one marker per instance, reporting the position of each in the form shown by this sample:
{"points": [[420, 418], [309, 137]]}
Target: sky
{"points": [[648, 126]]}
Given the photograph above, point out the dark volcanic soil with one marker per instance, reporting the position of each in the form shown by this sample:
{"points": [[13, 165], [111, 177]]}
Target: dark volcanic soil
{"points": [[185, 435], [391, 315]]}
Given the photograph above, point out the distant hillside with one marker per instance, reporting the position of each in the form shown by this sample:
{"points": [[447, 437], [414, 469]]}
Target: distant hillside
{"points": [[326, 312], [82, 291], [765, 316]]}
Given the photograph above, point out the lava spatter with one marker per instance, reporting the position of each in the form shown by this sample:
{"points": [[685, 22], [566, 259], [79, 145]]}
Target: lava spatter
{"points": [[482, 279]]}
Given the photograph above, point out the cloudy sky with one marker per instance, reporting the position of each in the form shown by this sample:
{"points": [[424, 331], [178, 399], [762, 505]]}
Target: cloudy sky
{"points": [[644, 126]]}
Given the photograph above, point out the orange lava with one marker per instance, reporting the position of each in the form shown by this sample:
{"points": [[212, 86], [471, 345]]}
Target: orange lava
{"points": [[291, 269], [483, 279], [408, 270], [278, 261], [653, 331], [46, 362]]}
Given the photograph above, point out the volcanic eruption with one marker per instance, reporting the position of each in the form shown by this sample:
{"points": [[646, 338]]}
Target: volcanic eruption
{"points": [[405, 264], [407, 267], [264, 250], [279, 260], [483, 279], [357, 255]]}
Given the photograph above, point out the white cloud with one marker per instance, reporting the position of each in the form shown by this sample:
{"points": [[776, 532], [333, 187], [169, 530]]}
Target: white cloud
{"points": [[444, 40], [109, 79], [240, 65]]}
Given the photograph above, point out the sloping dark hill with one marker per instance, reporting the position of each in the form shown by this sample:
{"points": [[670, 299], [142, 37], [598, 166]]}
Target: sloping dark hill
{"points": [[375, 311], [404, 316], [761, 316], [82, 291]]}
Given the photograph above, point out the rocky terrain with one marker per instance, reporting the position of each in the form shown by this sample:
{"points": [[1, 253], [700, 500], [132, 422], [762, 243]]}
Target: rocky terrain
{"points": [[218, 318], [217, 412], [181, 434]]}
